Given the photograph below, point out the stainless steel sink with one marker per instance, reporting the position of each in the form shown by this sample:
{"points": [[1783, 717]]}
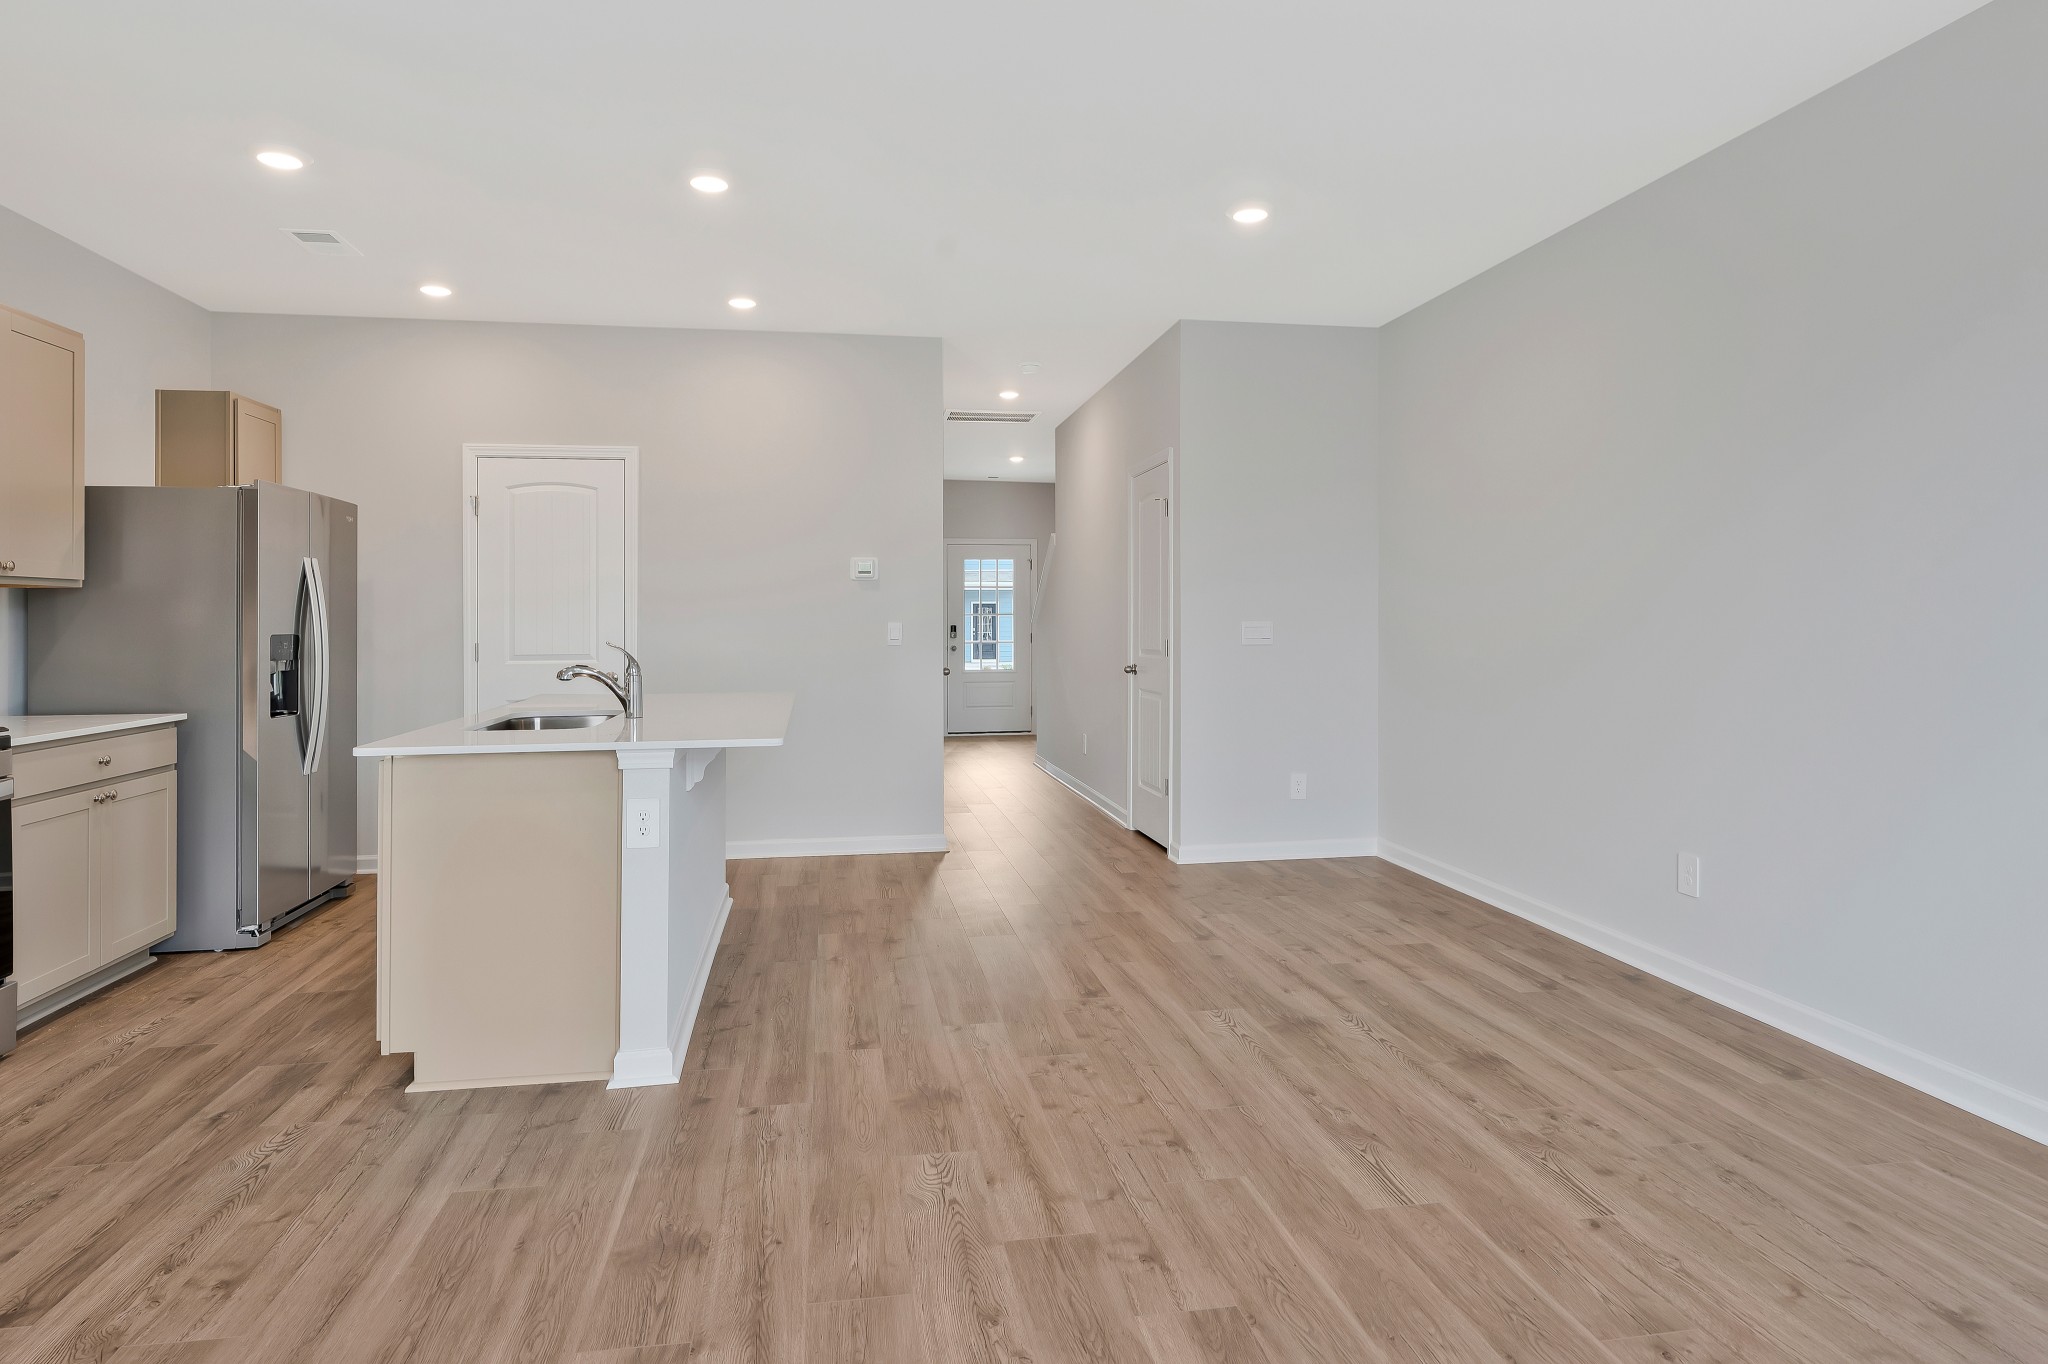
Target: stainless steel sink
{"points": [[584, 720]]}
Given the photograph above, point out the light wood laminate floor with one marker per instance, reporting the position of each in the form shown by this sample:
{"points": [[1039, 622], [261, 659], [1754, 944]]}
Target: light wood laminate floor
{"points": [[1045, 1098]]}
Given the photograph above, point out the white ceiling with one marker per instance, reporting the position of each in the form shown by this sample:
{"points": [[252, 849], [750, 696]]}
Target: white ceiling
{"points": [[1039, 184], [988, 449]]}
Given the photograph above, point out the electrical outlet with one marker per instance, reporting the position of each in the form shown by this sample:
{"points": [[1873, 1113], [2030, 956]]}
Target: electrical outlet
{"points": [[643, 823], [1689, 874], [1297, 786]]}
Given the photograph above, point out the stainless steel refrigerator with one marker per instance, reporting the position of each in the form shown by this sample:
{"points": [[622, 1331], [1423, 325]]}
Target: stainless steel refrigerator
{"points": [[237, 606]]}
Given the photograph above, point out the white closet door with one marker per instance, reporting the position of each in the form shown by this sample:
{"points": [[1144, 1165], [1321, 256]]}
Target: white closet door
{"points": [[550, 574], [1151, 666]]}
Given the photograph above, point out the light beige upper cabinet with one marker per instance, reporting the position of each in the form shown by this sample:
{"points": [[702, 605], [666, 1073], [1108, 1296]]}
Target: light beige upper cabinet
{"points": [[42, 453], [208, 439]]}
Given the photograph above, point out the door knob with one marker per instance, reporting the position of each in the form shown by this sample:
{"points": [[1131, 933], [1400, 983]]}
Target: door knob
{"points": [[949, 672], [1130, 667]]}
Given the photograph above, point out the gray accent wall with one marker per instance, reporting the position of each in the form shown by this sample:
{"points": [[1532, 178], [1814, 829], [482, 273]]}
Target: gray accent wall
{"points": [[998, 509], [1272, 428], [1277, 525], [1714, 524], [1082, 637], [139, 337], [767, 462]]}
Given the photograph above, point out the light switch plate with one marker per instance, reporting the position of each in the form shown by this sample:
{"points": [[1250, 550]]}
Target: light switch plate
{"points": [[895, 632], [1255, 632], [867, 570]]}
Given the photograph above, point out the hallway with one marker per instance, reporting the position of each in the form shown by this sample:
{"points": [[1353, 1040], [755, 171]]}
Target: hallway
{"points": [[1046, 1096]]}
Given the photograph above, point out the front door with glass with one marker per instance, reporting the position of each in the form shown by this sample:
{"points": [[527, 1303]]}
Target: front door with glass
{"points": [[988, 636]]}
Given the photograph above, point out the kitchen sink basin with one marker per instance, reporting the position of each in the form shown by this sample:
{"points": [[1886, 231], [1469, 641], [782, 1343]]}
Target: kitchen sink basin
{"points": [[581, 720]]}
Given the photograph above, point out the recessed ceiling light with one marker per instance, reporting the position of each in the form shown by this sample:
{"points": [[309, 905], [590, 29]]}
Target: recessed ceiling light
{"points": [[436, 290], [741, 303], [1008, 395], [280, 160], [708, 184], [1016, 459], [1249, 215]]}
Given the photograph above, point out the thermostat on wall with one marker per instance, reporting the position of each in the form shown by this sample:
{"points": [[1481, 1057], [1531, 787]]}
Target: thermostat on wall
{"points": [[867, 570]]}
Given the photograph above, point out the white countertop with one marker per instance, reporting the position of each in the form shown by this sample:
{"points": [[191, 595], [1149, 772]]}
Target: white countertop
{"points": [[26, 731], [673, 720]]}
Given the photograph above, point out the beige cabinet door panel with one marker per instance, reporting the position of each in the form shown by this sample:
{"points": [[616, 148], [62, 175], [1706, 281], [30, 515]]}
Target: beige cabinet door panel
{"points": [[135, 863], [56, 933], [42, 494], [259, 442]]}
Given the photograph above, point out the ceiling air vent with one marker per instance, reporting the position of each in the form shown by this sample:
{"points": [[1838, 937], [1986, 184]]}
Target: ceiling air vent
{"points": [[321, 242], [959, 415]]}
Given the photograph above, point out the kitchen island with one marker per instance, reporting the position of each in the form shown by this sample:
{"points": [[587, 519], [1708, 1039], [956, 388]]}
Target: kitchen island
{"points": [[551, 886]]}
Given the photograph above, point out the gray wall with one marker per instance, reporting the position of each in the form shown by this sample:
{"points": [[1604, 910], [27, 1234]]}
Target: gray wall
{"points": [[1715, 524], [1082, 638], [998, 509], [767, 461], [138, 338], [1273, 508], [1277, 523]]}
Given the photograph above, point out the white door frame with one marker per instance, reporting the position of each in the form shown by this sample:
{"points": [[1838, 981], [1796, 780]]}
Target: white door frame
{"points": [[1131, 476], [946, 619], [471, 454]]}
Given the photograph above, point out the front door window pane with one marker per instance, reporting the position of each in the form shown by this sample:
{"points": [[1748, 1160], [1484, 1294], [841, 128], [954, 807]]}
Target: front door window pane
{"points": [[990, 624]]}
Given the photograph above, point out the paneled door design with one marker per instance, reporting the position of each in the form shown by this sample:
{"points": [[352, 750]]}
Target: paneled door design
{"points": [[988, 636], [551, 579], [1151, 665]]}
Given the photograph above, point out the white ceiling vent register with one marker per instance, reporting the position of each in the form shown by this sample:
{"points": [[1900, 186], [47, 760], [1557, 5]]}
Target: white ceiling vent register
{"points": [[320, 241], [962, 415]]}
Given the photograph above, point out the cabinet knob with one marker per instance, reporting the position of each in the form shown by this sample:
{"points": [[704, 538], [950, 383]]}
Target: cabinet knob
{"points": [[105, 760], [6, 565]]}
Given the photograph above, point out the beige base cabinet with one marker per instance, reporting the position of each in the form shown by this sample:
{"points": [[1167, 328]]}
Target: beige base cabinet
{"points": [[56, 934], [95, 870], [42, 453], [208, 439]]}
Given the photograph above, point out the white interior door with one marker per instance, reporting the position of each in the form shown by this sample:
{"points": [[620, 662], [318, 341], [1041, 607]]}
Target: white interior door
{"points": [[988, 637], [550, 574], [1151, 663]]}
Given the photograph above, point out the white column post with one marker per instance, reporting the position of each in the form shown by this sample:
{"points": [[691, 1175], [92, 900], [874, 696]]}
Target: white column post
{"points": [[644, 1056]]}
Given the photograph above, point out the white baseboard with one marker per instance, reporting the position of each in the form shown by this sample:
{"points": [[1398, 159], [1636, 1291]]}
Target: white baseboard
{"points": [[366, 864], [1084, 791], [1973, 1093], [1193, 853], [859, 846]]}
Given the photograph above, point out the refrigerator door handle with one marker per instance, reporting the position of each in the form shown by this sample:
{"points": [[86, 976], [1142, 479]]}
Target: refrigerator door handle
{"points": [[316, 727]]}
